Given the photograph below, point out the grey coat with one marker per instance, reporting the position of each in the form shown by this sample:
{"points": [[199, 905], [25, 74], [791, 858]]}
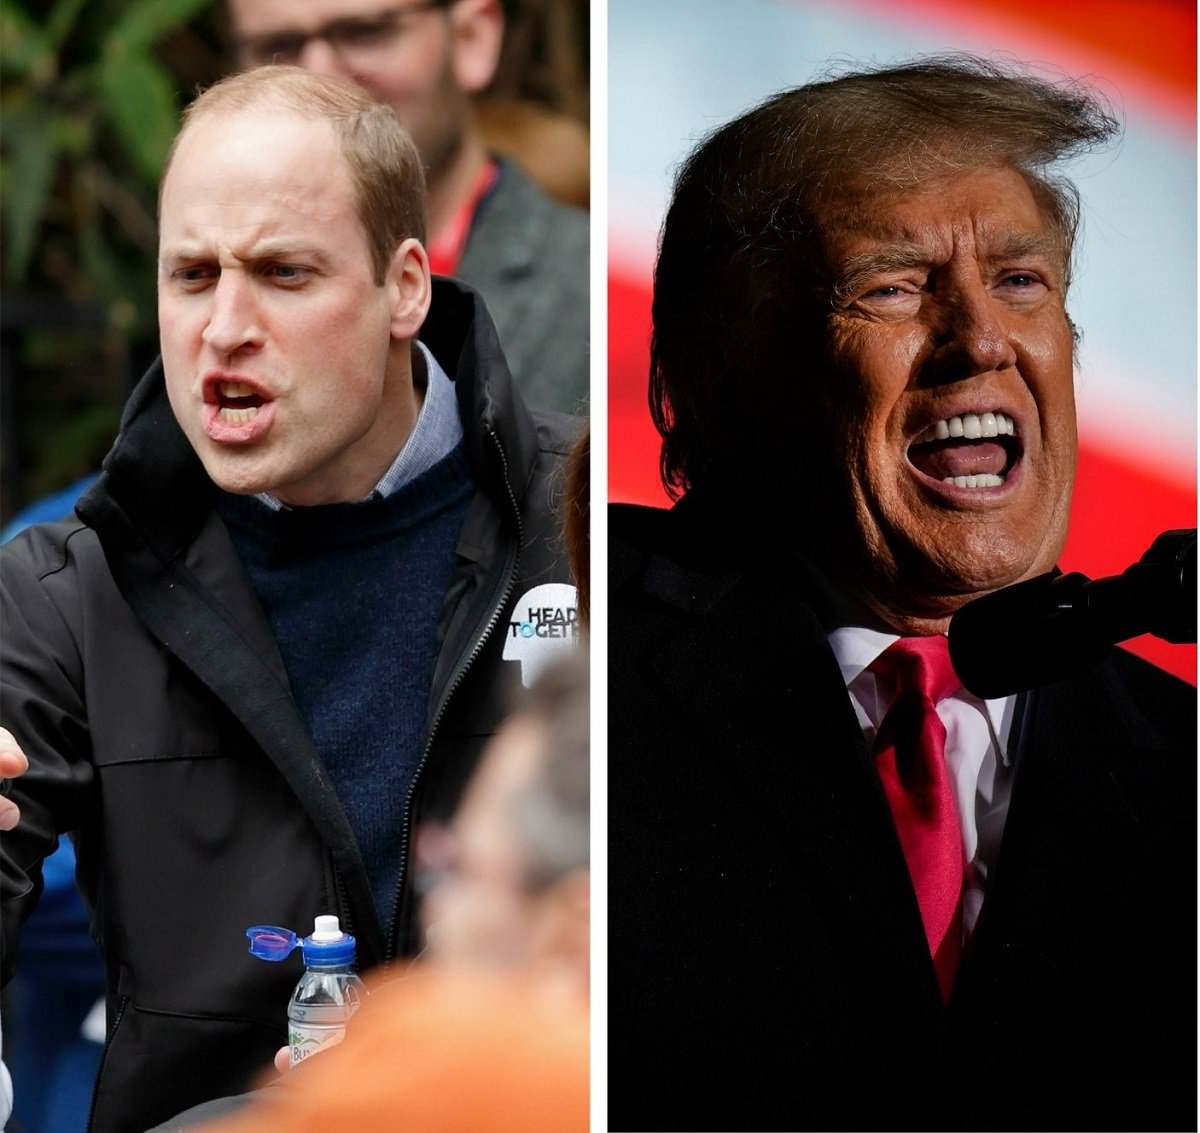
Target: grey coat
{"points": [[528, 256]]}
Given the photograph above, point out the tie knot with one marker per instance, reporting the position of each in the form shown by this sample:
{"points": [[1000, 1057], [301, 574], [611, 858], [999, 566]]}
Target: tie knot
{"points": [[918, 663]]}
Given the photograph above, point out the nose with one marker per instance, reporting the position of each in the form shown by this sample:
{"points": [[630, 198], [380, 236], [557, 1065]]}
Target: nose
{"points": [[319, 57], [233, 322], [973, 334]]}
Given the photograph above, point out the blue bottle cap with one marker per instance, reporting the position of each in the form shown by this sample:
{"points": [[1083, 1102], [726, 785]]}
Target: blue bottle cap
{"points": [[328, 953], [327, 947], [268, 942]]}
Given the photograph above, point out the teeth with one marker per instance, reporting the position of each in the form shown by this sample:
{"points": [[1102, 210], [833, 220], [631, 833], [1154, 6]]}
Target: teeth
{"points": [[983, 480], [236, 389], [237, 416], [970, 426]]}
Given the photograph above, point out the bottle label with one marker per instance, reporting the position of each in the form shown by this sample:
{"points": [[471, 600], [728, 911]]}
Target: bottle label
{"points": [[315, 1026], [305, 1040]]}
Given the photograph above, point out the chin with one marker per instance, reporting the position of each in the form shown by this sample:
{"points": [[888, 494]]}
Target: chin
{"points": [[236, 481], [980, 566]]}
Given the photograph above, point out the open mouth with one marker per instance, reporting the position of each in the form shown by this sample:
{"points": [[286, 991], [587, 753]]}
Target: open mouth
{"points": [[236, 411], [237, 403], [974, 450]]}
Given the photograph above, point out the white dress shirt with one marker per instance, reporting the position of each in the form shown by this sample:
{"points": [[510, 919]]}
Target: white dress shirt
{"points": [[977, 753]]}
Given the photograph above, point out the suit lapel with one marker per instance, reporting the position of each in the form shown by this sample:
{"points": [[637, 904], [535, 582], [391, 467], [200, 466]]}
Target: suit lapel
{"points": [[1082, 823], [754, 675]]}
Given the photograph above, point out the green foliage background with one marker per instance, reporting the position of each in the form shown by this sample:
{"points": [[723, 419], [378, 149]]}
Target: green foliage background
{"points": [[90, 95]]}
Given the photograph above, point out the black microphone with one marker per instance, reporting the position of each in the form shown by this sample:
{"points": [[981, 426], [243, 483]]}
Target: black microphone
{"points": [[1058, 625]]}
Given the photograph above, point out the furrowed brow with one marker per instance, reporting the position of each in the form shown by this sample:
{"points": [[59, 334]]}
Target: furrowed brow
{"points": [[265, 251], [180, 253], [858, 270], [286, 250], [1012, 246]]}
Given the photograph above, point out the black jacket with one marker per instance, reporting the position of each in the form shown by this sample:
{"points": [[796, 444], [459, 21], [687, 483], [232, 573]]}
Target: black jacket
{"points": [[141, 678], [768, 967]]}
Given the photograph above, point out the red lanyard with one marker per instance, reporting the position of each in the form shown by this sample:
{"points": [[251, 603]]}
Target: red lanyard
{"points": [[446, 249]]}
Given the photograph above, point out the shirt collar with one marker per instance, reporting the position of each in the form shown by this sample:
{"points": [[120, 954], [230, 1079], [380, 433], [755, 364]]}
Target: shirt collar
{"points": [[855, 647]]}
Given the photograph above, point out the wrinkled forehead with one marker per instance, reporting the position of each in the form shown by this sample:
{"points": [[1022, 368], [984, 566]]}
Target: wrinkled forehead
{"points": [[1003, 209]]}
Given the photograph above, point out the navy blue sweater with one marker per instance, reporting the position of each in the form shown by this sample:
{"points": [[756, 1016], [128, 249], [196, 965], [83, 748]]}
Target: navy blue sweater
{"points": [[353, 594]]}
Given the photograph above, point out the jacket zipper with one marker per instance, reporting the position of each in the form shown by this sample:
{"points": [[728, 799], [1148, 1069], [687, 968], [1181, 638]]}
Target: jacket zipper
{"points": [[392, 943], [112, 1034], [343, 901]]}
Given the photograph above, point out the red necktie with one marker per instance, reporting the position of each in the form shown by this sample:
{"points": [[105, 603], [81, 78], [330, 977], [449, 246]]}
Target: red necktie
{"points": [[910, 757]]}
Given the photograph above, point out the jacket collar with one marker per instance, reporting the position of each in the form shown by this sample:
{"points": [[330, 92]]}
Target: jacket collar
{"points": [[500, 432]]}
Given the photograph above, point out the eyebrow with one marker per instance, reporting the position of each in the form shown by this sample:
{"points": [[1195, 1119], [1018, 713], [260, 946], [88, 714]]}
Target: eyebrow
{"points": [[287, 249], [268, 249], [858, 269], [1004, 246]]}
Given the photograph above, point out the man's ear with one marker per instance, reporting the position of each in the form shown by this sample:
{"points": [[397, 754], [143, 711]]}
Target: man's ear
{"points": [[409, 288], [478, 30]]}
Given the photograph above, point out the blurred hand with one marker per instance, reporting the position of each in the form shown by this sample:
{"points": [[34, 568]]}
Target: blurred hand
{"points": [[12, 764]]}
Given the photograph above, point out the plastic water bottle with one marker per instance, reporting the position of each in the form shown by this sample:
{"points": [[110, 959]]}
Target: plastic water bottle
{"points": [[328, 993]]}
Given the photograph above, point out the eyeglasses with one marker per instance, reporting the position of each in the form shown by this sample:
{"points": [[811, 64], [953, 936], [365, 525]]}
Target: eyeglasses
{"points": [[354, 39]]}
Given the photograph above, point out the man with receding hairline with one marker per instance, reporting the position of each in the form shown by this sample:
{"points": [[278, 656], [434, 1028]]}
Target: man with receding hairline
{"points": [[845, 892], [274, 639]]}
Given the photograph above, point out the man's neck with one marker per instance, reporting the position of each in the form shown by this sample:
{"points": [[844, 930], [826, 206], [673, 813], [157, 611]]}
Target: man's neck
{"points": [[455, 184]]}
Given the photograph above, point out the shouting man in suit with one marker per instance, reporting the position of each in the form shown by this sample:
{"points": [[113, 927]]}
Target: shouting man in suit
{"points": [[846, 893]]}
